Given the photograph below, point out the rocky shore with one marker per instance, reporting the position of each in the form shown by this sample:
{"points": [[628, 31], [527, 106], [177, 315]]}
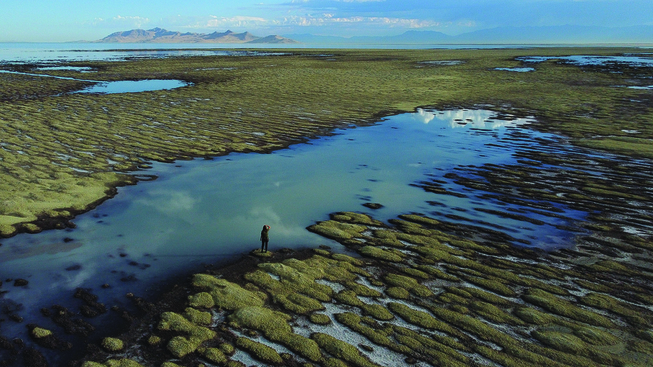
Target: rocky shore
{"points": [[412, 295]]}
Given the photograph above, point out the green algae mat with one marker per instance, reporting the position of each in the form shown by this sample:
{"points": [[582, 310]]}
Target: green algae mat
{"points": [[421, 296], [62, 154], [415, 292]]}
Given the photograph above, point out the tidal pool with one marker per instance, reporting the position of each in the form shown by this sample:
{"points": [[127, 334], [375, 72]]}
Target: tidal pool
{"points": [[133, 86], [120, 86], [517, 70], [585, 60], [203, 211]]}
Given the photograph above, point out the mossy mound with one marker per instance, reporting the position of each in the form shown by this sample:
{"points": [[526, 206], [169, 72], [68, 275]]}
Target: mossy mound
{"points": [[320, 319], [561, 341], [564, 308], [181, 346], [40, 333], [263, 254], [198, 317], [342, 350], [215, 355], [114, 363], [337, 230], [225, 294], [201, 300], [260, 352], [421, 311], [381, 254], [112, 344]]}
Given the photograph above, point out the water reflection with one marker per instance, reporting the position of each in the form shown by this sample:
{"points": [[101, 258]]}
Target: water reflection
{"points": [[584, 60], [120, 86], [517, 70], [133, 86], [202, 211]]}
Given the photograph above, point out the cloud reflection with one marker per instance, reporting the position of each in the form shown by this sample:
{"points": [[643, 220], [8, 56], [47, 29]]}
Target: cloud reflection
{"points": [[170, 202], [423, 116], [479, 119]]}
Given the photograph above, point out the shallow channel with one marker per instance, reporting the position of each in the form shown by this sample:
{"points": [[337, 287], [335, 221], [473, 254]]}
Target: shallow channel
{"points": [[203, 211]]}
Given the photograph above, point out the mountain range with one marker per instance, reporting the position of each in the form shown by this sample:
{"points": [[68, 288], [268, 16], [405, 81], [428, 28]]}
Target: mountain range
{"points": [[567, 34], [160, 35]]}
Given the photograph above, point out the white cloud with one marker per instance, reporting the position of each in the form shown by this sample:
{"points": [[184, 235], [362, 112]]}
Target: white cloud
{"points": [[229, 22], [329, 19], [122, 21], [173, 203]]}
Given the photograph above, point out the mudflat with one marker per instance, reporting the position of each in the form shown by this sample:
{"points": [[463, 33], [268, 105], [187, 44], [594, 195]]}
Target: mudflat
{"points": [[63, 154], [418, 291]]}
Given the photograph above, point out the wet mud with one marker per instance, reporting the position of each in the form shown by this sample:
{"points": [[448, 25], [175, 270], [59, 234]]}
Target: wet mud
{"points": [[411, 295]]}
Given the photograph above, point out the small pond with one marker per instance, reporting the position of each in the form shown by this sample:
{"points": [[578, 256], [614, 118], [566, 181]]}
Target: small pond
{"points": [[110, 87], [517, 70], [586, 60], [201, 211], [133, 86]]}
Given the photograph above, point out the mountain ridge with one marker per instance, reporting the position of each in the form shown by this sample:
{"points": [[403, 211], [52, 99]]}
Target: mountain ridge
{"points": [[500, 35], [160, 35]]}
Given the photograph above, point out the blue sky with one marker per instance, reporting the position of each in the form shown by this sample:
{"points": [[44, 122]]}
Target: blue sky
{"points": [[73, 20]]}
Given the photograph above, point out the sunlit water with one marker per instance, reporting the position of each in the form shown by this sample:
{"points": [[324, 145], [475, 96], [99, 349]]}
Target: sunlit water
{"points": [[48, 53], [202, 211], [120, 86], [584, 60]]}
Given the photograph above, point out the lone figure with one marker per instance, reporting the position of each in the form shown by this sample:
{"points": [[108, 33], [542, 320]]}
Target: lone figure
{"points": [[264, 238]]}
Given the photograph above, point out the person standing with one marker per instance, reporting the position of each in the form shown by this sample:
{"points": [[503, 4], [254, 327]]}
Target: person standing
{"points": [[265, 238]]}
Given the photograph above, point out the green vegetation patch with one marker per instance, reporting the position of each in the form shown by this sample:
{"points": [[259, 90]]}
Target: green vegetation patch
{"points": [[419, 318], [320, 319], [409, 284], [381, 254], [562, 307], [65, 152], [260, 352], [214, 355], [198, 317], [112, 344], [337, 230], [274, 326], [602, 301], [342, 350], [225, 294]]}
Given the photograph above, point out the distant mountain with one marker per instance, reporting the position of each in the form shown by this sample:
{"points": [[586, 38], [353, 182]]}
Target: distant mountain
{"points": [[159, 35], [502, 35]]}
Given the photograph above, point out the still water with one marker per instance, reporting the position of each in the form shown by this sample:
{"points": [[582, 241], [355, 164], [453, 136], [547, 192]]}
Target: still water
{"points": [[203, 211], [111, 87]]}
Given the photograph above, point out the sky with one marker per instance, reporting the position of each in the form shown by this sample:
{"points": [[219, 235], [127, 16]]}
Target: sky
{"points": [[76, 20]]}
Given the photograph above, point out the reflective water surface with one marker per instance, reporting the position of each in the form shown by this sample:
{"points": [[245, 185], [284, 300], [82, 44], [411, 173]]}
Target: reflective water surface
{"points": [[120, 86], [583, 60], [133, 86], [206, 210]]}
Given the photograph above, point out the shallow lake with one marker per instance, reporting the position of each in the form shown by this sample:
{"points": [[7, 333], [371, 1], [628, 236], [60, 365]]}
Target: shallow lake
{"points": [[110, 87], [202, 211]]}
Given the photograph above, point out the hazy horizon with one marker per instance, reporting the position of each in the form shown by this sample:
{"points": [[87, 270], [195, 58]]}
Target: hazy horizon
{"points": [[76, 20]]}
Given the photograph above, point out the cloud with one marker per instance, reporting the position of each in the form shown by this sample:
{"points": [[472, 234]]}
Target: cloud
{"points": [[122, 21], [328, 19], [170, 202], [237, 21]]}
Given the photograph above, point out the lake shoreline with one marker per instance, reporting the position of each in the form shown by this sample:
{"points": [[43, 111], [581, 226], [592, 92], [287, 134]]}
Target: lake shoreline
{"points": [[379, 270]]}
